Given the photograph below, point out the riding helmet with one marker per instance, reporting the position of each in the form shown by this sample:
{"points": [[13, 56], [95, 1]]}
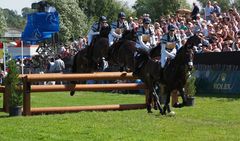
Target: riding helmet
{"points": [[171, 27], [121, 15], [146, 20], [103, 19]]}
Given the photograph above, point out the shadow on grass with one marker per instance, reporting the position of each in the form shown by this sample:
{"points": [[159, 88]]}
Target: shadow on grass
{"points": [[4, 116]]}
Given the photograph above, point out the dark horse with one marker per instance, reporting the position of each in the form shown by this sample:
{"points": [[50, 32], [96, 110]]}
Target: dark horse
{"points": [[87, 60], [98, 49], [150, 74], [174, 75], [122, 51]]}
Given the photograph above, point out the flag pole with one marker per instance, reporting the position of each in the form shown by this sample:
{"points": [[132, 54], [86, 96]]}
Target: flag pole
{"points": [[4, 57], [22, 56]]}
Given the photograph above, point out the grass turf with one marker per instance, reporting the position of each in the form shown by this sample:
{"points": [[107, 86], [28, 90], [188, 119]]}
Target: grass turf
{"points": [[209, 119]]}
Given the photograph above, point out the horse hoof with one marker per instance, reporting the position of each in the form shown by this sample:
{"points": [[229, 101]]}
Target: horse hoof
{"points": [[72, 93], [162, 113], [149, 112], [178, 105], [171, 114]]}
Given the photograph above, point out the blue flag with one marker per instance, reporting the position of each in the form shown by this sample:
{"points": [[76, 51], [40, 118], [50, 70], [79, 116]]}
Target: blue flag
{"points": [[40, 26]]}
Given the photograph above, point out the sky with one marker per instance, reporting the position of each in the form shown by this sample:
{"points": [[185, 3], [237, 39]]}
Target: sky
{"points": [[19, 4]]}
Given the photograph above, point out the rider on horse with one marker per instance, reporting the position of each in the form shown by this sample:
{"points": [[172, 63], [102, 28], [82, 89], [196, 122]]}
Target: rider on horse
{"points": [[146, 39], [118, 28], [169, 45], [96, 29]]}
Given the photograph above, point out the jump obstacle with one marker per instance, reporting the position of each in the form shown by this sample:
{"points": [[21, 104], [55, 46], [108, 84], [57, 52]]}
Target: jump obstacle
{"points": [[30, 78]]}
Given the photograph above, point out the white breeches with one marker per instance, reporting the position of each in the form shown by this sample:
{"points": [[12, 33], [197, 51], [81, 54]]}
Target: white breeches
{"points": [[143, 47], [165, 55]]}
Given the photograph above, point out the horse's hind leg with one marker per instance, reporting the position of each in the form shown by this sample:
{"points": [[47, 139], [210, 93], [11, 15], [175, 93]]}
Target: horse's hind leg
{"points": [[72, 92]]}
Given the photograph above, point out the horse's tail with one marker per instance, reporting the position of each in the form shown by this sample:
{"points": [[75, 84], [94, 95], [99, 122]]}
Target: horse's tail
{"points": [[74, 64], [74, 70]]}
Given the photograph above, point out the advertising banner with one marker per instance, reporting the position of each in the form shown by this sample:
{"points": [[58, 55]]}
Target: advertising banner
{"points": [[213, 81]]}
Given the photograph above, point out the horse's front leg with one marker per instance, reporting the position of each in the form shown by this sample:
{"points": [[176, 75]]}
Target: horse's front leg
{"points": [[183, 95], [156, 100], [166, 106], [148, 100]]}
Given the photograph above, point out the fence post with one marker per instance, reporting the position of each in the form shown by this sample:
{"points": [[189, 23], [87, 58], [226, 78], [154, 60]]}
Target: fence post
{"points": [[26, 97], [6, 96]]}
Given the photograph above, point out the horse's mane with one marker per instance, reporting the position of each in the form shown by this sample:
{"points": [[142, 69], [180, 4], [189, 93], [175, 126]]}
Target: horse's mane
{"points": [[105, 31], [129, 35]]}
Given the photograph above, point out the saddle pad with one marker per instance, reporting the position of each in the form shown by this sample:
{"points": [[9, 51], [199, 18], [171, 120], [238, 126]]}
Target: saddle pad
{"points": [[146, 38], [119, 31], [171, 45]]}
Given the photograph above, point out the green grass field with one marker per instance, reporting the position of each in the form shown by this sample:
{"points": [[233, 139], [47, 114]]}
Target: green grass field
{"points": [[210, 119]]}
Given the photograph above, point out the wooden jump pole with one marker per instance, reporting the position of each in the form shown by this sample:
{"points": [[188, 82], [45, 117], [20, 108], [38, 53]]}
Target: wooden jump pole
{"points": [[87, 108], [28, 88], [87, 87], [83, 76]]}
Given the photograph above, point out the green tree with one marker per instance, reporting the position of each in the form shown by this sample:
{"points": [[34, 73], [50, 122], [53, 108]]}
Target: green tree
{"points": [[73, 22], [3, 23], [158, 8], [13, 19], [109, 8], [237, 4], [27, 10]]}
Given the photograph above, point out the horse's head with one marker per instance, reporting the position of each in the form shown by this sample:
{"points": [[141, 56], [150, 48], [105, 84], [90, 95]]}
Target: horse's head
{"points": [[194, 40], [189, 58], [129, 35]]}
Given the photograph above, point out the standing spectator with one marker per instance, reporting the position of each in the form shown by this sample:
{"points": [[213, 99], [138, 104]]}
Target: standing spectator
{"points": [[59, 65], [51, 70], [195, 11], [208, 10], [216, 8]]}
